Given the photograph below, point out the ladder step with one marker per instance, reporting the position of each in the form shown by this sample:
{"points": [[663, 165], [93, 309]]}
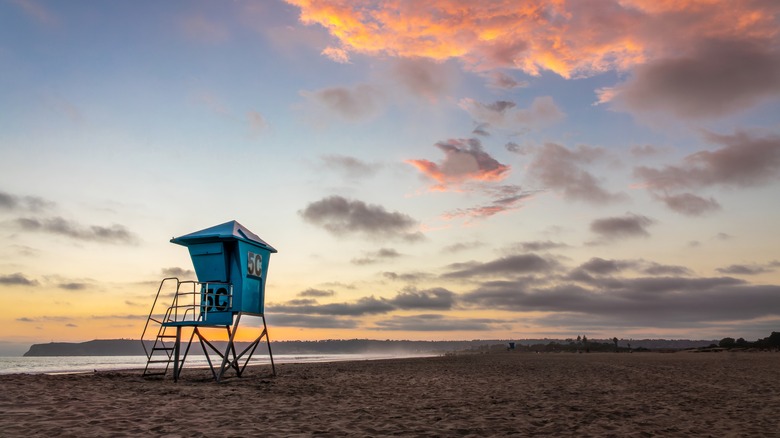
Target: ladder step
{"points": [[166, 336], [160, 361], [162, 348]]}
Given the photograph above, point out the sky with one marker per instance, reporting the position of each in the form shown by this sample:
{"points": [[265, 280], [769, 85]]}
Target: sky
{"points": [[427, 170]]}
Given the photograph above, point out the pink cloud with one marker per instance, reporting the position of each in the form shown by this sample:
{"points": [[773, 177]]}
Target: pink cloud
{"points": [[464, 160]]}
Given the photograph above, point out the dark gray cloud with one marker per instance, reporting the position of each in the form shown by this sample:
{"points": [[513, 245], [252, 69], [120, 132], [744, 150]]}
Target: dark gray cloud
{"points": [[652, 268], [408, 277], [631, 225], [433, 299], [11, 202], [56, 225], [462, 246], [309, 321], [649, 300], [505, 266], [504, 81], [519, 149], [376, 256], [751, 269], [563, 170], [342, 216], [350, 167], [363, 306], [603, 267], [25, 319], [408, 299], [17, 279], [439, 323], [481, 129], [714, 79], [537, 245], [690, 204], [742, 161], [73, 286], [360, 102], [316, 293], [597, 265], [178, 272]]}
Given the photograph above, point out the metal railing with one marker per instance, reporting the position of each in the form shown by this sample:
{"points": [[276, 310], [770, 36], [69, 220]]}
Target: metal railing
{"points": [[192, 301]]}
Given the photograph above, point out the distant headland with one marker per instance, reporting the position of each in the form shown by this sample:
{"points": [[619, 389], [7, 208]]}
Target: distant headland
{"points": [[132, 347]]}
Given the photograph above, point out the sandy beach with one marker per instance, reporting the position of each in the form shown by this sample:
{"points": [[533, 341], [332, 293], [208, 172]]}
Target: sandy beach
{"points": [[498, 394]]}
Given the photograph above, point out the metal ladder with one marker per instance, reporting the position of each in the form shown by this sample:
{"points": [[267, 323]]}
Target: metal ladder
{"points": [[163, 347]]}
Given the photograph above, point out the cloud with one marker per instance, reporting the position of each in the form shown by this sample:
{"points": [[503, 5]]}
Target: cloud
{"points": [[17, 279], [643, 301], [752, 269], [363, 306], [11, 202], [97, 233], [316, 293], [690, 204], [178, 272], [310, 321], [557, 168], [341, 216], [350, 167], [716, 78], [424, 78], [504, 266], [433, 299], [519, 149], [464, 160], [353, 104], [481, 129], [537, 245], [504, 81], [462, 246], [742, 161], [630, 225], [409, 277], [505, 198], [377, 256], [73, 286], [505, 114], [603, 267], [439, 323], [530, 36], [336, 54]]}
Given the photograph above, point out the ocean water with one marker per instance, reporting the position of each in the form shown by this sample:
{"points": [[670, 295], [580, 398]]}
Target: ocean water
{"points": [[83, 364]]}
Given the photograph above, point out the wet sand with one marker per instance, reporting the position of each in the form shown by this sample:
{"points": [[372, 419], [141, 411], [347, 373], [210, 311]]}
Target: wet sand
{"points": [[499, 394]]}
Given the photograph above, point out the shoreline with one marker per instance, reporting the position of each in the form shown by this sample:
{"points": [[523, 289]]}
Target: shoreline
{"points": [[491, 394]]}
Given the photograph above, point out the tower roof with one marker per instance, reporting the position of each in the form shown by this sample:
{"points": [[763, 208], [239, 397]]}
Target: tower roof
{"points": [[228, 231]]}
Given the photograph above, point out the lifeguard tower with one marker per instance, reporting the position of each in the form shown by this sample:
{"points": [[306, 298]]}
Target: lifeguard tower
{"points": [[231, 266]]}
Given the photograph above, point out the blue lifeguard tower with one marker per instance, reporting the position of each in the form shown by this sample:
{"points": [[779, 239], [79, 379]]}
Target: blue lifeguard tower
{"points": [[231, 266]]}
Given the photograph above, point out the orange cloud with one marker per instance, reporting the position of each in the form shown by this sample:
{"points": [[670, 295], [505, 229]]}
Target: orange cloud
{"points": [[570, 38], [464, 160]]}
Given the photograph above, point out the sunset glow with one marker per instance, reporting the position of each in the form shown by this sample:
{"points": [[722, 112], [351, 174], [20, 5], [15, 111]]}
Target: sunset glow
{"points": [[427, 170]]}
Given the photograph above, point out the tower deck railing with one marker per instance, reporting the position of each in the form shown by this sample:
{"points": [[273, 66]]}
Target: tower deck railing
{"points": [[191, 303]]}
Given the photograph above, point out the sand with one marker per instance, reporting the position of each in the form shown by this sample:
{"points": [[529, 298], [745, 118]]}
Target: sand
{"points": [[498, 394]]}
